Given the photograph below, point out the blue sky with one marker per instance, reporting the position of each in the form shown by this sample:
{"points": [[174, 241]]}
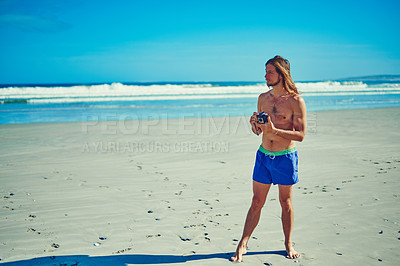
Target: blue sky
{"points": [[78, 41]]}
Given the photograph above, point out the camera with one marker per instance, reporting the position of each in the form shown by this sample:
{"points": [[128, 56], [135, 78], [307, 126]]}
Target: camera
{"points": [[262, 118]]}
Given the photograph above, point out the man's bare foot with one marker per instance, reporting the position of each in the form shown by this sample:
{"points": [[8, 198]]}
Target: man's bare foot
{"points": [[241, 250], [291, 253]]}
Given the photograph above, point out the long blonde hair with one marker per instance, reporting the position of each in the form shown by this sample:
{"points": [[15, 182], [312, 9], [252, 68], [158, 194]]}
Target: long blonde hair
{"points": [[282, 66]]}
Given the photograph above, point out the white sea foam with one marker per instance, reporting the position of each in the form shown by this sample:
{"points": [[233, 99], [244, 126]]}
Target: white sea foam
{"points": [[121, 92], [346, 86], [142, 98]]}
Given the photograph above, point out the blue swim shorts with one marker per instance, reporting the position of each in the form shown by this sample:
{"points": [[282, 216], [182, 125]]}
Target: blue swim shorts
{"points": [[276, 167]]}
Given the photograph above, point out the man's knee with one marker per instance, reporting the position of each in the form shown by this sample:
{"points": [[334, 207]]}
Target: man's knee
{"points": [[257, 203], [286, 203]]}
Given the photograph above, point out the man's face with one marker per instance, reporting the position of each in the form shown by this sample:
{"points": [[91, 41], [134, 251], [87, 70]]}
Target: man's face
{"points": [[271, 76]]}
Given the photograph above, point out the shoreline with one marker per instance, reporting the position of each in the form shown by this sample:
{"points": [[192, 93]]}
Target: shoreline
{"points": [[64, 204], [191, 117]]}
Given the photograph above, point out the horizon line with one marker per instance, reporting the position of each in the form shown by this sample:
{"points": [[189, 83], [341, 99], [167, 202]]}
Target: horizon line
{"points": [[356, 78]]}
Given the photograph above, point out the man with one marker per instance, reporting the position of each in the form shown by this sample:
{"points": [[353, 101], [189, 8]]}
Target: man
{"points": [[276, 160]]}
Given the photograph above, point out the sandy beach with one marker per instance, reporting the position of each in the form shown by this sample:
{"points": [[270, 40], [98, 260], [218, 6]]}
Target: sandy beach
{"points": [[166, 192]]}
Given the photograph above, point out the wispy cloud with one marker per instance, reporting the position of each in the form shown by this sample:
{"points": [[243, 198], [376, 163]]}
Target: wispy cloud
{"points": [[32, 23]]}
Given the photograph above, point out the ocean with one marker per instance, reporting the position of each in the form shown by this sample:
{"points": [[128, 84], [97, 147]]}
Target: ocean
{"points": [[117, 101]]}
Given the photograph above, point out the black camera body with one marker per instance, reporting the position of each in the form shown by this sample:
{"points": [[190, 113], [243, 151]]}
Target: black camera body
{"points": [[262, 118]]}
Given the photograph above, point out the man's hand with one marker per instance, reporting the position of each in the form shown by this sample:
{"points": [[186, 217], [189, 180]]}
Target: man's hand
{"points": [[255, 126], [269, 127]]}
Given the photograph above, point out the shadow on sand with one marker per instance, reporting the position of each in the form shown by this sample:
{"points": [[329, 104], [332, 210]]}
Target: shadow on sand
{"points": [[122, 260]]}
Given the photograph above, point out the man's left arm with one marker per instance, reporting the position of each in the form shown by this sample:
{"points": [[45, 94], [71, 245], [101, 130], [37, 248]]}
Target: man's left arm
{"points": [[299, 123]]}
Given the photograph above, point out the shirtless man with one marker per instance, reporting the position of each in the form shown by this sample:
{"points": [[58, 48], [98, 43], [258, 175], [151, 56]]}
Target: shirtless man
{"points": [[276, 160]]}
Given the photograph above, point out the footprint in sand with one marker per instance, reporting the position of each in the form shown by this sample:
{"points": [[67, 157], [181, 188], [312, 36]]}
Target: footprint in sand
{"points": [[30, 217], [184, 239], [122, 251], [33, 231], [150, 236]]}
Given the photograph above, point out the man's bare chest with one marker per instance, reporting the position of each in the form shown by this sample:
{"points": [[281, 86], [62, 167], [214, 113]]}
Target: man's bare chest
{"points": [[280, 111]]}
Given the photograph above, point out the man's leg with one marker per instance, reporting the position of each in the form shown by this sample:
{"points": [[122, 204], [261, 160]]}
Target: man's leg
{"points": [[260, 192], [285, 198]]}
